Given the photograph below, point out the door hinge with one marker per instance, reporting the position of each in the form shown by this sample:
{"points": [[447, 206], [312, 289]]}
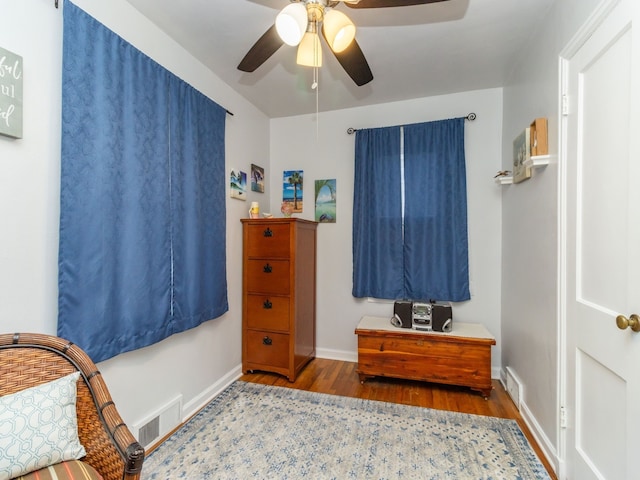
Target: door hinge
{"points": [[563, 417], [565, 104]]}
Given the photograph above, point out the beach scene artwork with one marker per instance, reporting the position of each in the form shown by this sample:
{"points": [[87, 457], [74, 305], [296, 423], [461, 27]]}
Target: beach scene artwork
{"points": [[238, 185], [257, 178], [326, 201], [292, 189]]}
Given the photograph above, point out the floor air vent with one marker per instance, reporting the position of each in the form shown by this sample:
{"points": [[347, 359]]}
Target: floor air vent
{"points": [[149, 431], [514, 387], [159, 423]]}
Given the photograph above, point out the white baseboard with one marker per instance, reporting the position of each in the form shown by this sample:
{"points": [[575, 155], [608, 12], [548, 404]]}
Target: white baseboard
{"points": [[194, 406], [548, 450], [342, 355]]}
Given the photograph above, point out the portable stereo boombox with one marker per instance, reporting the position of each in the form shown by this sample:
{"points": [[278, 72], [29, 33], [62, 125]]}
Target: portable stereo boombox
{"points": [[428, 316]]}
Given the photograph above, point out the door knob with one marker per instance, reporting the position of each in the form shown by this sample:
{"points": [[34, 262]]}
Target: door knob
{"points": [[633, 321]]}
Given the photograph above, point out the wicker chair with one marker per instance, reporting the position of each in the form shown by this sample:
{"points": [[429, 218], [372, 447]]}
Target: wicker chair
{"points": [[30, 359]]}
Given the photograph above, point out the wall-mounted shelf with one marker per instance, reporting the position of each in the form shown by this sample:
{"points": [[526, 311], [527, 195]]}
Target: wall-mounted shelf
{"points": [[537, 161], [504, 180]]}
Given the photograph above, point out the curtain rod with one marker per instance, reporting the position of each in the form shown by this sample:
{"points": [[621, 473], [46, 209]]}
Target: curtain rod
{"points": [[471, 117]]}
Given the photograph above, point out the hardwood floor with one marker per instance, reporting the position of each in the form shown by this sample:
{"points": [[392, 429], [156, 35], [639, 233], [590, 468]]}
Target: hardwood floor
{"points": [[340, 378]]}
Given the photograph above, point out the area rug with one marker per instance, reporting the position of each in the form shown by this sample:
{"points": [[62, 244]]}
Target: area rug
{"points": [[253, 431]]}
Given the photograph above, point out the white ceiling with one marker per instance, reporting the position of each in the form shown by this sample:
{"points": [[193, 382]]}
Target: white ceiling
{"points": [[413, 52]]}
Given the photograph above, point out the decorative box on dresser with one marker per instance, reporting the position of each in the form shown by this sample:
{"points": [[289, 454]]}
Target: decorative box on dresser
{"points": [[279, 295]]}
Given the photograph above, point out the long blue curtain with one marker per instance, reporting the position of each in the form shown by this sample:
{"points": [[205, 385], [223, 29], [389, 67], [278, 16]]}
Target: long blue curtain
{"points": [[410, 229], [435, 216], [142, 216], [377, 220]]}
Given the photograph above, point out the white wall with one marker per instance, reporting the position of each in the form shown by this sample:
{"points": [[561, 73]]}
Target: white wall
{"points": [[328, 153], [192, 364], [530, 230]]}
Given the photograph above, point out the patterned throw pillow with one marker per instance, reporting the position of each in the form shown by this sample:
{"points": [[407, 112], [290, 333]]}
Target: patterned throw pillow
{"points": [[38, 427]]}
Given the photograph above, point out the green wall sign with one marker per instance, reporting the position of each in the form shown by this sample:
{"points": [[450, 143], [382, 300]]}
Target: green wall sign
{"points": [[10, 94]]}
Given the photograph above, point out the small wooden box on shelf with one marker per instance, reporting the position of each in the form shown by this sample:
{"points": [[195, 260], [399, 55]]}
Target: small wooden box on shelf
{"points": [[539, 144], [538, 137]]}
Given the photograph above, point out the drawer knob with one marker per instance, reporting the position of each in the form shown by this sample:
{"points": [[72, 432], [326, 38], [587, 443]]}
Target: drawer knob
{"points": [[267, 341], [267, 268], [267, 304], [268, 232]]}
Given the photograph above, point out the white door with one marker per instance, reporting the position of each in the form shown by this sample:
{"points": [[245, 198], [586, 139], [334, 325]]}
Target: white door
{"points": [[602, 249]]}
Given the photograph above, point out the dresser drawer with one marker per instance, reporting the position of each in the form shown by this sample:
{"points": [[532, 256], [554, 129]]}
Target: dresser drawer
{"points": [[268, 276], [268, 240], [267, 348], [268, 313]]}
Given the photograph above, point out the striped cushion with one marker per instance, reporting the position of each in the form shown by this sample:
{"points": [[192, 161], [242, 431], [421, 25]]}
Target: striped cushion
{"points": [[71, 470]]}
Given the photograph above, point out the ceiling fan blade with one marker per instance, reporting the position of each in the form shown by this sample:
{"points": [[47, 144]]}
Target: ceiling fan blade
{"points": [[389, 3], [266, 46], [353, 61]]}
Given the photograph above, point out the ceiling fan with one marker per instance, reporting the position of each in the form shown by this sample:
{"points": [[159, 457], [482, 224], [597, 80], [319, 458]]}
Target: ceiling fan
{"points": [[299, 23]]}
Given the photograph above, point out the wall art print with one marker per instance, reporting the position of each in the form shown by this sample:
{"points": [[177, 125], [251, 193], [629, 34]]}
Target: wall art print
{"points": [[10, 94], [292, 190], [326, 201], [257, 178], [238, 185], [521, 153]]}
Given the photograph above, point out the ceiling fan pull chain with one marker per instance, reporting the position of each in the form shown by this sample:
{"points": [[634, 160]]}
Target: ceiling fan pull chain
{"points": [[315, 82]]}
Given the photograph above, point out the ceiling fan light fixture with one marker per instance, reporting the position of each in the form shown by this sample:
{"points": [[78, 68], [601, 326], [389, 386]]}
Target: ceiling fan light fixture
{"points": [[291, 23], [309, 50], [338, 29]]}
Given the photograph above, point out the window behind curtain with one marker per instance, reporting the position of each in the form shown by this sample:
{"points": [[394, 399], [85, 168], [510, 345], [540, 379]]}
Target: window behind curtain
{"points": [[428, 257], [142, 207]]}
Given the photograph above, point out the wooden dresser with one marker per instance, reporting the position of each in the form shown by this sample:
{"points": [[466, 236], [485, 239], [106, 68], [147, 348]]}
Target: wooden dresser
{"points": [[460, 357], [278, 295]]}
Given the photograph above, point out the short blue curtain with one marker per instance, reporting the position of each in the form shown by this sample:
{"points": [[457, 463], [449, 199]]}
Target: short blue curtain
{"points": [[418, 252], [142, 216]]}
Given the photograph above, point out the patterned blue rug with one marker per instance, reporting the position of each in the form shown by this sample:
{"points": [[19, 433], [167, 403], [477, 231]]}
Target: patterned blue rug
{"points": [[253, 431]]}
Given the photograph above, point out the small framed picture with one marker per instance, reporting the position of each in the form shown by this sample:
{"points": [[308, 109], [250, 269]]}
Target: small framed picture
{"points": [[326, 201], [292, 193], [257, 178], [238, 185], [521, 153]]}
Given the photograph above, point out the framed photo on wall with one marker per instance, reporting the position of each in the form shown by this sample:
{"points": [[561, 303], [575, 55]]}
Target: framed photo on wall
{"points": [[326, 201], [238, 185], [257, 178], [292, 192], [521, 153]]}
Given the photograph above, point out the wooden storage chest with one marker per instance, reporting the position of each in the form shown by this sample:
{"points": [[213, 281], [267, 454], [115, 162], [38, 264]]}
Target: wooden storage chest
{"points": [[460, 357]]}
